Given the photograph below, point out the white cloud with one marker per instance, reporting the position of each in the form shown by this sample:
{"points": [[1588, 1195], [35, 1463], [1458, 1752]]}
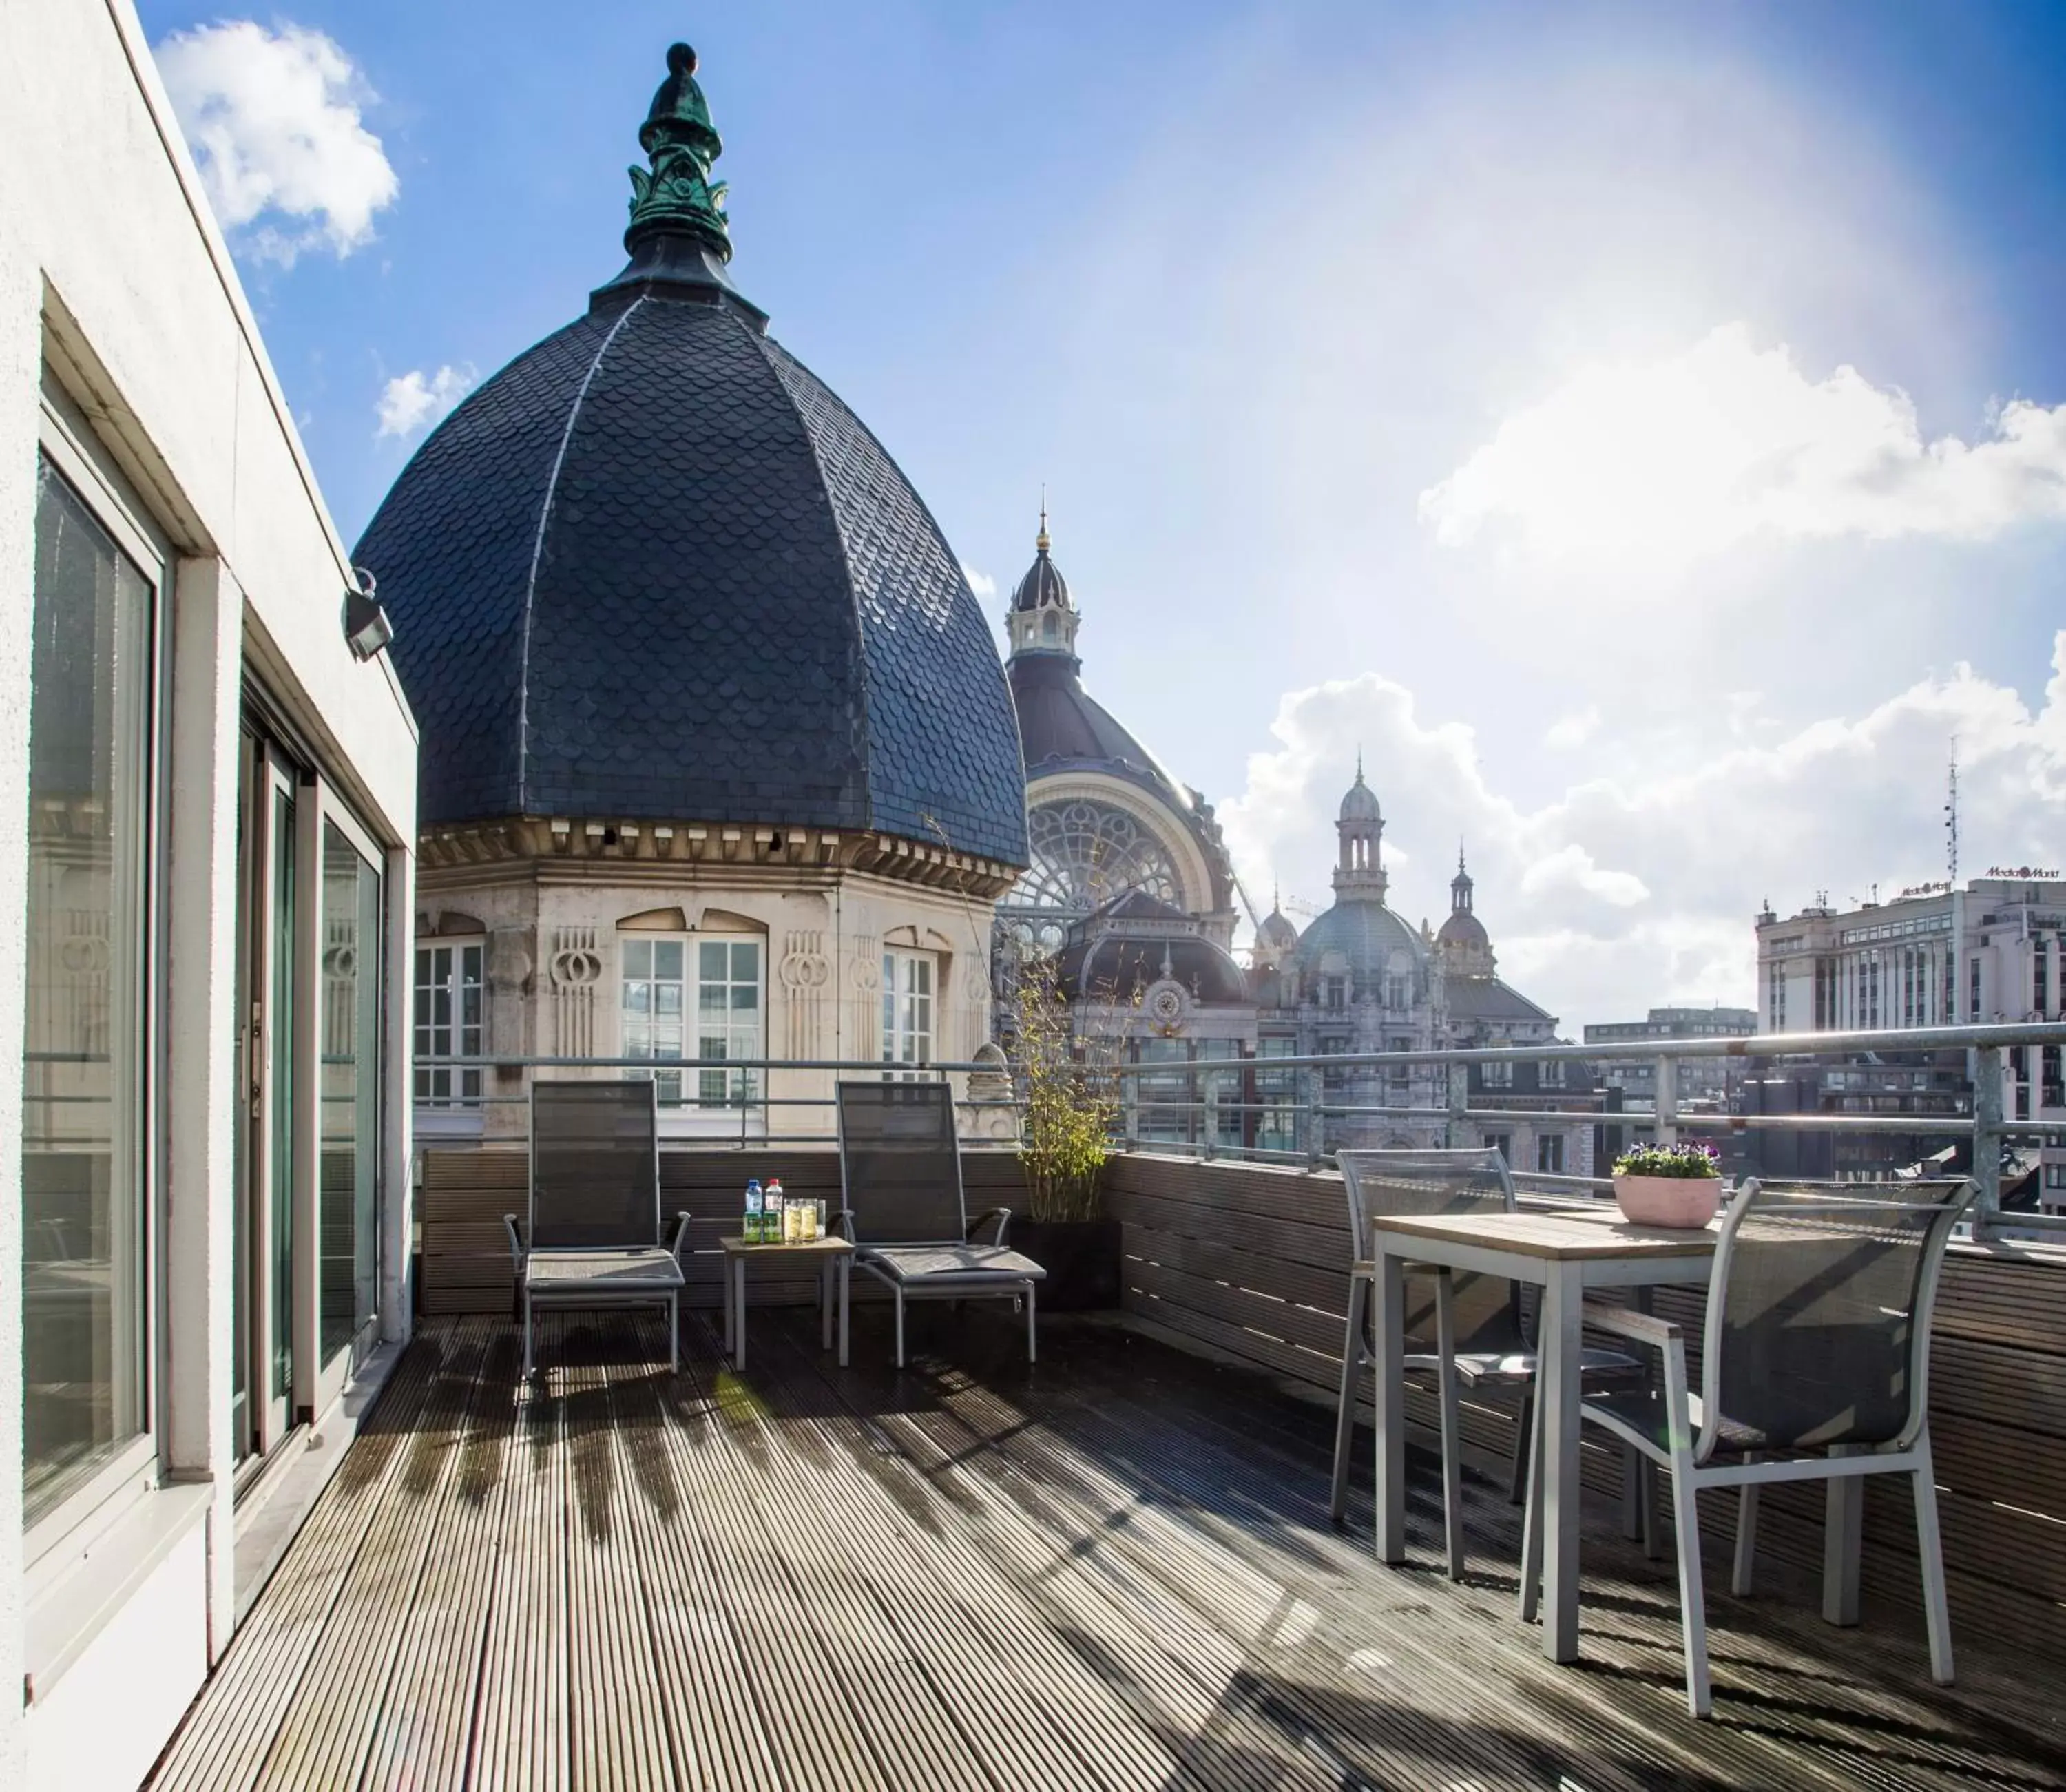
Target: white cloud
{"points": [[1575, 729], [272, 118], [1639, 889], [1669, 459], [984, 586], [409, 404]]}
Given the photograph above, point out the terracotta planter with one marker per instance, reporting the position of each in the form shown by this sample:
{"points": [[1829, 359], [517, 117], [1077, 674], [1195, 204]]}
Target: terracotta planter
{"points": [[1685, 1202], [1080, 1256]]}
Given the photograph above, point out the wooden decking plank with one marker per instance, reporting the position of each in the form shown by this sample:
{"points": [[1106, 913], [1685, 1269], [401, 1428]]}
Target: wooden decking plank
{"points": [[430, 1706], [945, 1606], [232, 1726], [1180, 1673], [1114, 1572], [332, 1727], [1262, 1615]]}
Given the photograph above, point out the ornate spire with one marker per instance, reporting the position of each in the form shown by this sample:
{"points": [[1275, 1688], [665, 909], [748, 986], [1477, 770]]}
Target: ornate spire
{"points": [[1461, 886], [677, 197], [1040, 542]]}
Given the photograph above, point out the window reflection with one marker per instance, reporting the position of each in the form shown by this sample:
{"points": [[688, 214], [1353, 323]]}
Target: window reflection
{"points": [[83, 1121], [347, 1219]]}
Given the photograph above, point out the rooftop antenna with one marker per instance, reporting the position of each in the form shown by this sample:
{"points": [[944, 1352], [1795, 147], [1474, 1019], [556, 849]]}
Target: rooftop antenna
{"points": [[1951, 816]]}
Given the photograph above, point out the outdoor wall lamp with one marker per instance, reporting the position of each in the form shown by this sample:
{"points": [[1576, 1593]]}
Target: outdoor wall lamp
{"points": [[366, 630]]}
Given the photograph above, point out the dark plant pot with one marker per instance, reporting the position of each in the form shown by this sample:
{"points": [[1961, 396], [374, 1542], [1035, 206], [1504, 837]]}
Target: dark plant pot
{"points": [[1080, 1256]]}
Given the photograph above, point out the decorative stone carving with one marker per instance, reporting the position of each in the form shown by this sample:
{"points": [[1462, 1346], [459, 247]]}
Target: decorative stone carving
{"points": [[863, 972], [575, 967], [804, 973]]}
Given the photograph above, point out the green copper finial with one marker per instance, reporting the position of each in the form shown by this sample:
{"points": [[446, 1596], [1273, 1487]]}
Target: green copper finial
{"points": [[679, 197]]}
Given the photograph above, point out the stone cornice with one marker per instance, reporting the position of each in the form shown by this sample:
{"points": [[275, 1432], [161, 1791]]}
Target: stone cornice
{"points": [[600, 850]]}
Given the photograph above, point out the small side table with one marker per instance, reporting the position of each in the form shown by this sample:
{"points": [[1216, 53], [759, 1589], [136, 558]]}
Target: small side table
{"points": [[834, 1258]]}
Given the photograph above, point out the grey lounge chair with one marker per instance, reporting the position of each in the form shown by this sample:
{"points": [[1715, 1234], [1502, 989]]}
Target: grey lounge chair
{"points": [[906, 1214], [1816, 1367], [1458, 1328], [592, 1238]]}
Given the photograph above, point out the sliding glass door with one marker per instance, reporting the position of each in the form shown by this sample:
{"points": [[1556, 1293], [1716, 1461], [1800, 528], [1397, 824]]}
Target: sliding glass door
{"points": [[267, 1308], [348, 1173]]}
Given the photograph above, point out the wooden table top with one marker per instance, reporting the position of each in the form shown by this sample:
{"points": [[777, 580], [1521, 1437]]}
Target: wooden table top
{"points": [[1563, 1236], [830, 1245]]}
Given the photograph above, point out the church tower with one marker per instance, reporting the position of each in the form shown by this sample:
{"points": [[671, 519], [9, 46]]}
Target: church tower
{"points": [[1042, 619], [1359, 871]]}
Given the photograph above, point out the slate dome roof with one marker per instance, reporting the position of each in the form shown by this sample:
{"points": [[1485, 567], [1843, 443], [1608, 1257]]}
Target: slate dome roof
{"points": [[1366, 934], [655, 569], [1042, 587], [1277, 931], [1360, 804], [1462, 928]]}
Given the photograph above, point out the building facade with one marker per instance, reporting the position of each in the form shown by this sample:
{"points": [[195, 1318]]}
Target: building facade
{"points": [[720, 762], [1712, 1081], [205, 882], [1991, 949]]}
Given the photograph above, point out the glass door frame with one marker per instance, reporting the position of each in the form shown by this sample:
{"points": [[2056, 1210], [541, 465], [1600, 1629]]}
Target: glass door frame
{"points": [[270, 1414], [323, 1380]]}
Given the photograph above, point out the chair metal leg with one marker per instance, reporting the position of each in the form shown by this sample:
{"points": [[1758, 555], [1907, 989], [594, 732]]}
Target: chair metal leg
{"points": [[900, 1327], [1692, 1596], [1929, 1545], [1352, 1338], [825, 1306], [1842, 1542], [1653, 1544], [738, 1313], [1531, 1520], [845, 1293], [1740, 1577], [527, 1334], [673, 1334], [1445, 1377], [1032, 1345], [1523, 1435], [1631, 1492]]}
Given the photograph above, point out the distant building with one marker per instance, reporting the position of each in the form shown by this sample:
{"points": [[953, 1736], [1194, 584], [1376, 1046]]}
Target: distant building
{"points": [[1940, 955], [1705, 1080]]}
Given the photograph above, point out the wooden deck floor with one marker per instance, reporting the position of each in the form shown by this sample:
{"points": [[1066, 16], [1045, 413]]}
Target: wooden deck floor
{"points": [[1113, 1570]]}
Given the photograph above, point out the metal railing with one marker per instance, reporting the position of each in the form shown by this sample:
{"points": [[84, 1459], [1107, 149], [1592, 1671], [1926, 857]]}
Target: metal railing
{"points": [[1291, 1099], [742, 1113], [1226, 1107]]}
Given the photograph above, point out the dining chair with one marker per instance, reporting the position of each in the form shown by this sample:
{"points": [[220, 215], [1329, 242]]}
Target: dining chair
{"points": [[1815, 1366], [1463, 1328]]}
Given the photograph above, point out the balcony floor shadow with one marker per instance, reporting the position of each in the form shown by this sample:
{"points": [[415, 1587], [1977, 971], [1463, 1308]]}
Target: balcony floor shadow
{"points": [[1112, 1569]]}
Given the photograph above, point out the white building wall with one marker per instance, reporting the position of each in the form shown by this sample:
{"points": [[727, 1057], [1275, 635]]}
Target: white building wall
{"points": [[112, 272]]}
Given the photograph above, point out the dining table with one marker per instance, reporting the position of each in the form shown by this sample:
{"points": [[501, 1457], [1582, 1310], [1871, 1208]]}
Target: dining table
{"points": [[1567, 1254]]}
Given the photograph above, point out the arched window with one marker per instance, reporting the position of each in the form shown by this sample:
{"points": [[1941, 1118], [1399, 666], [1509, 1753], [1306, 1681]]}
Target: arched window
{"points": [[1048, 626], [1086, 852]]}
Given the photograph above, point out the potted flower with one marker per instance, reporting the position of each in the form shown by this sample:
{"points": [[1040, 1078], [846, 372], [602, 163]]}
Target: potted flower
{"points": [[1072, 1105], [1668, 1185]]}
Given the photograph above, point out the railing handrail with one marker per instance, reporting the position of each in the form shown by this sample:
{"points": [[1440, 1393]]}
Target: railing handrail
{"points": [[1979, 1036]]}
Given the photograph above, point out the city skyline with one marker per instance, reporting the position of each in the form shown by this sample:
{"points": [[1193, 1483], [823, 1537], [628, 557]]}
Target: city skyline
{"points": [[1641, 435]]}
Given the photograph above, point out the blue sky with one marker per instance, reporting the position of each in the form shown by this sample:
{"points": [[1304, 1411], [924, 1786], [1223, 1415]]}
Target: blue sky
{"points": [[1625, 422]]}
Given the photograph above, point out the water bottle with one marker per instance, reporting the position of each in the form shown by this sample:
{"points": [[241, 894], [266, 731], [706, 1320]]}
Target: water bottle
{"points": [[754, 1211], [775, 1202]]}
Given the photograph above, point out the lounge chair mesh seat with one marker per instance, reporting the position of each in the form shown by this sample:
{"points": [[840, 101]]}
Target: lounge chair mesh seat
{"points": [[906, 1212], [593, 1236]]}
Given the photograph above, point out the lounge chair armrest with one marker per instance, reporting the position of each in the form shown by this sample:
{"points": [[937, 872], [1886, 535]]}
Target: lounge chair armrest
{"points": [[516, 1241], [843, 1222], [1625, 1322], [681, 1235], [1002, 1215]]}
